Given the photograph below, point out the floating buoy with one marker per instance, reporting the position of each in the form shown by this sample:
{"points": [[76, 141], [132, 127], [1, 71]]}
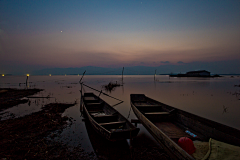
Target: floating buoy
{"points": [[187, 144]]}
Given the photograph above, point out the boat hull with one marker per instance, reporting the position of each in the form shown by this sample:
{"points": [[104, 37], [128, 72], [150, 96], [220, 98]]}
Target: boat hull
{"points": [[108, 129], [167, 124], [172, 149], [100, 130]]}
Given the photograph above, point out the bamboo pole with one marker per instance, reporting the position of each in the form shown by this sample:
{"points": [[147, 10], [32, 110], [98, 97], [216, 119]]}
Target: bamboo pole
{"points": [[100, 91], [81, 107], [155, 74], [27, 81], [82, 76], [122, 74]]}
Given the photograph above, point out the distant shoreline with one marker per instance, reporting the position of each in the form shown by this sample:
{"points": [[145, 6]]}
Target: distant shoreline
{"points": [[108, 75]]}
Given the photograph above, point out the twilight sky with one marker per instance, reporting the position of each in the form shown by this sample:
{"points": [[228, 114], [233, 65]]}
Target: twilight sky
{"points": [[116, 33]]}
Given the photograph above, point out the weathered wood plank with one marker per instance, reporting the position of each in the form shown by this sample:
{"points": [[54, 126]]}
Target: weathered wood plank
{"points": [[93, 104], [157, 113], [105, 118], [99, 116], [135, 121], [90, 99], [95, 110], [112, 123], [146, 105]]}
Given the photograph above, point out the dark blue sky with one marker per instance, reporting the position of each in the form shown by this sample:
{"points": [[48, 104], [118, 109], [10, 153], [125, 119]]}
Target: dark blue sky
{"points": [[107, 33]]}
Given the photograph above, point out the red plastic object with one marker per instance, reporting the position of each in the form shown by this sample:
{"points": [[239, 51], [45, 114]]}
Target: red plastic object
{"points": [[187, 144]]}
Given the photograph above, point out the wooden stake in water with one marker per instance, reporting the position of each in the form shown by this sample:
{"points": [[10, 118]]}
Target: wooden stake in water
{"points": [[155, 74], [81, 108], [27, 80], [122, 73], [82, 76]]}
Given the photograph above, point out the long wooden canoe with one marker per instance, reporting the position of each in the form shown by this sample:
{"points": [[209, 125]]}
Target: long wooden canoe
{"points": [[105, 149], [167, 124], [107, 121]]}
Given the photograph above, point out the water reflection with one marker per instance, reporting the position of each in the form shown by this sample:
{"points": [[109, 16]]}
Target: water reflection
{"points": [[142, 147], [105, 149], [203, 97]]}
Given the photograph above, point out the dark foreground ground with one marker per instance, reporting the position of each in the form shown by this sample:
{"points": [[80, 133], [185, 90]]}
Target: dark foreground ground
{"points": [[31, 136], [11, 97]]}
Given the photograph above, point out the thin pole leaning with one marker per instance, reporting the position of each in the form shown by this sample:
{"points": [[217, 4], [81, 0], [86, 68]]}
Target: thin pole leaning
{"points": [[155, 74], [100, 91], [81, 107], [27, 81], [122, 73], [82, 76]]}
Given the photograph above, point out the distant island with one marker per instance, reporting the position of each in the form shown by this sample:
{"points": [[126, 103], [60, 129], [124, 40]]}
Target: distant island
{"points": [[133, 70], [200, 73]]}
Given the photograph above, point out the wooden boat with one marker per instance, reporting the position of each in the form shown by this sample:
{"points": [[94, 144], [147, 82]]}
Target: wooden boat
{"points": [[167, 124], [107, 121], [105, 149]]}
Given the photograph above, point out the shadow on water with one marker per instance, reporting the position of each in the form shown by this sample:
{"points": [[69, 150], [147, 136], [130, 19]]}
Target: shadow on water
{"points": [[145, 147], [142, 147], [105, 149]]}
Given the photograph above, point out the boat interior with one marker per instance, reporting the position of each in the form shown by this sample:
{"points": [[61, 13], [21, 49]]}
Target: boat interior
{"points": [[165, 119], [103, 114]]}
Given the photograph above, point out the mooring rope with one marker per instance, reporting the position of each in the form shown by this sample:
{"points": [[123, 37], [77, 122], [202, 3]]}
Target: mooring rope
{"points": [[102, 92], [117, 104]]}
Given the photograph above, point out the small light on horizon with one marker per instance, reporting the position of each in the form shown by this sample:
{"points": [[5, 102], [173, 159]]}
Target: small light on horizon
{"points": [[28, 75], [65, 75], [61, 31], [50, 75], [78, 74], [3, 75]]}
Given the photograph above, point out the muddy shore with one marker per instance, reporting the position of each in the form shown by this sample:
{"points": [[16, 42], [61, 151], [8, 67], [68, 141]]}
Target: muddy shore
{"points": [[11, 97], [30, 137]]}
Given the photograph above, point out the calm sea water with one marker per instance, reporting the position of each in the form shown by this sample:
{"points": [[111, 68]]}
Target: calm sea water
{"points": [[213, 98]]}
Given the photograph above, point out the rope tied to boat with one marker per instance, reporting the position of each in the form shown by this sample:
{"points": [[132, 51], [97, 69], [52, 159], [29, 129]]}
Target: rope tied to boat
{"points": [[101, 92], [80, 82]]}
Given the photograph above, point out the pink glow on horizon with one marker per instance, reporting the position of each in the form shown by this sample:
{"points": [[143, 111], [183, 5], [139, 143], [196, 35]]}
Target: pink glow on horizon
{"points": [[77, 49]]}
